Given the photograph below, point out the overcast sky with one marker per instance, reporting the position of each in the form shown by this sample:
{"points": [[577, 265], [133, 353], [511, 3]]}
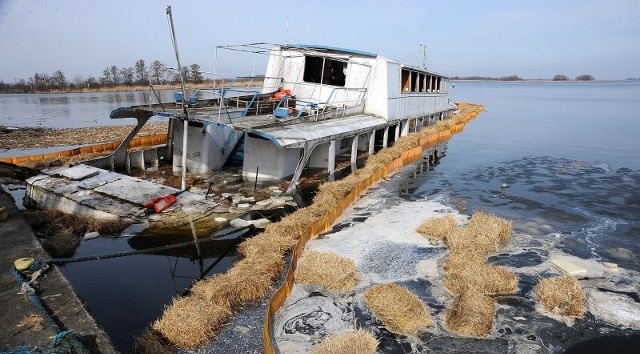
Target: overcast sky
{"points": [[532, 39]]}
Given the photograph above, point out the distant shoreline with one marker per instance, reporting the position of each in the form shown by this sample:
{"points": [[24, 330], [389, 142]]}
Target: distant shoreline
{"points": [[541, 80], [130, 88]]}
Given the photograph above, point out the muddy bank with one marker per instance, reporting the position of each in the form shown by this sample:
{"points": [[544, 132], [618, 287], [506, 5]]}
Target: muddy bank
{"points": [[29, 138]]}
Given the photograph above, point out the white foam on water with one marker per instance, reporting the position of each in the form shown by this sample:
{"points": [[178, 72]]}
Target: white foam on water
{"points": [[387, 246], [595, 231]]}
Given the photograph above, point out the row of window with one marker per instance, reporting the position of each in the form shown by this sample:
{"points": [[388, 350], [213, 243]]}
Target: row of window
{"points": [[333, 72], [415, 81]]}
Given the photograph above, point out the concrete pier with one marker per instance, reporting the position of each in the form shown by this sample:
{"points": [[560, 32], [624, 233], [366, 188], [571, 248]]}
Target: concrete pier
{"points": [[17, 241]]}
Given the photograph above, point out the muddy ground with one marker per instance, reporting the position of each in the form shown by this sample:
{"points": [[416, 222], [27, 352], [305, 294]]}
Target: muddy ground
{"points": [[29, 138]]}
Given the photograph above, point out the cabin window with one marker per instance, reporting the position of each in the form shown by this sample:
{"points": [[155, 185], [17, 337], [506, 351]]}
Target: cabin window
{"points": [[417, 81], [334, 71], [405, 80], [414, 81]]}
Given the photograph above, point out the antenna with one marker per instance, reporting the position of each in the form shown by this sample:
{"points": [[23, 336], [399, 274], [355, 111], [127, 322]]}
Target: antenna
{"points": [[424, 55], [286, 32]]}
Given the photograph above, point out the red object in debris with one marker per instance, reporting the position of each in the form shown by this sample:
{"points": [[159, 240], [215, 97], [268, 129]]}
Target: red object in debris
{"points": [[164, 203], [151, 202], [283, 92]]}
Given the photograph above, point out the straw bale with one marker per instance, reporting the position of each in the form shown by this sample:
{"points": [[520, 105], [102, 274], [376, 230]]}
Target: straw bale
{"points": [[249, 280], [491, 226], [428, 131], [459, 260], [328, 270], [325, 201], [444, 125], [292, 226], [267, 242], [151, 342], [398, 309], [480, 278], [439, 228], [471, 314], [358, 341], [407, 142], [314, 212], [562, 295], [191, 321], [338, 189], [484, 234]]}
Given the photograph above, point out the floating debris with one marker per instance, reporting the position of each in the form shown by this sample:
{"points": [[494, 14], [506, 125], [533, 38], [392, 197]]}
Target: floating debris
{"points": [[562, 296], [398, 309], [340, 276], [439, 228], [358, 341]]}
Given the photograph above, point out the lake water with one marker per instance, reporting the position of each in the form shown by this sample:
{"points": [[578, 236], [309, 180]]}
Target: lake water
{"points": [[570, 157], [71, 110], [568, 151]]}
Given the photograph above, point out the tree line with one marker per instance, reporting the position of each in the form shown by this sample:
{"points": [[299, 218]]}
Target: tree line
{"points": [[558, 77], [140, 74]]}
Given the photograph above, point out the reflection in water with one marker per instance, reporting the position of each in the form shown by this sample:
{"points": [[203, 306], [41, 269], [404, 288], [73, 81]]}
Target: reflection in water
{"points": [[110, 288]]}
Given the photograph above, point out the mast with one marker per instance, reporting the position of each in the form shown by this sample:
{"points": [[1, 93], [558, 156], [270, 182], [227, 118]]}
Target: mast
{"points": [[185, 109]]}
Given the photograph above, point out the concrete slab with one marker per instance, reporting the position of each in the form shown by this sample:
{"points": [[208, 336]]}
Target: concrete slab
{"points": [[79, 172], [567, 266], [110, 196], [134, 190]]}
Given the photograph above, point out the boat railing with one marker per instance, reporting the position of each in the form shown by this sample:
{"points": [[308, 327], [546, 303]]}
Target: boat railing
{"points": [[316, 108], [239, 86]]}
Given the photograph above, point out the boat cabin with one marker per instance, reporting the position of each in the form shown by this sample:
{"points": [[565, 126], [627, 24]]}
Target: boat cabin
{"points": [[312, 104]]}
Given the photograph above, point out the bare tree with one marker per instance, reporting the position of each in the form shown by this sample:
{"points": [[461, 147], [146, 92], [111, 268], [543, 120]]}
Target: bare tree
{"points": [[115, 74], [91, 81], [41, 81], [196, 75], [158, 70], [561, 77], [106, 76], [127, 75], [58, 80], [141, 71], [78, 82]]}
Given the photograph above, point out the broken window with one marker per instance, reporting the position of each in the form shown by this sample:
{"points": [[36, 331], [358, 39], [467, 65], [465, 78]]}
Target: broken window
{"points": [[334, 71]]}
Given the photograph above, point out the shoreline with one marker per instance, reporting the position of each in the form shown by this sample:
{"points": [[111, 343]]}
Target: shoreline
{"points": [[164, 87]]}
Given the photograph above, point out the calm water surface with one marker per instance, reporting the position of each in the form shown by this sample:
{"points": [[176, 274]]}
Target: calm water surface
{"points": [[71, 110]]}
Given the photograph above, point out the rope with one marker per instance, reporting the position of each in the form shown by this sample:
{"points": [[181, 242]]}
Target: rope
{"points": [[29, 292], [64, 342], [68, 342], [60, 261]]}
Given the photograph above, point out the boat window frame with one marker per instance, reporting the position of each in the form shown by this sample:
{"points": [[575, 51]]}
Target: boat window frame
{"points": [[325, 71]]}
